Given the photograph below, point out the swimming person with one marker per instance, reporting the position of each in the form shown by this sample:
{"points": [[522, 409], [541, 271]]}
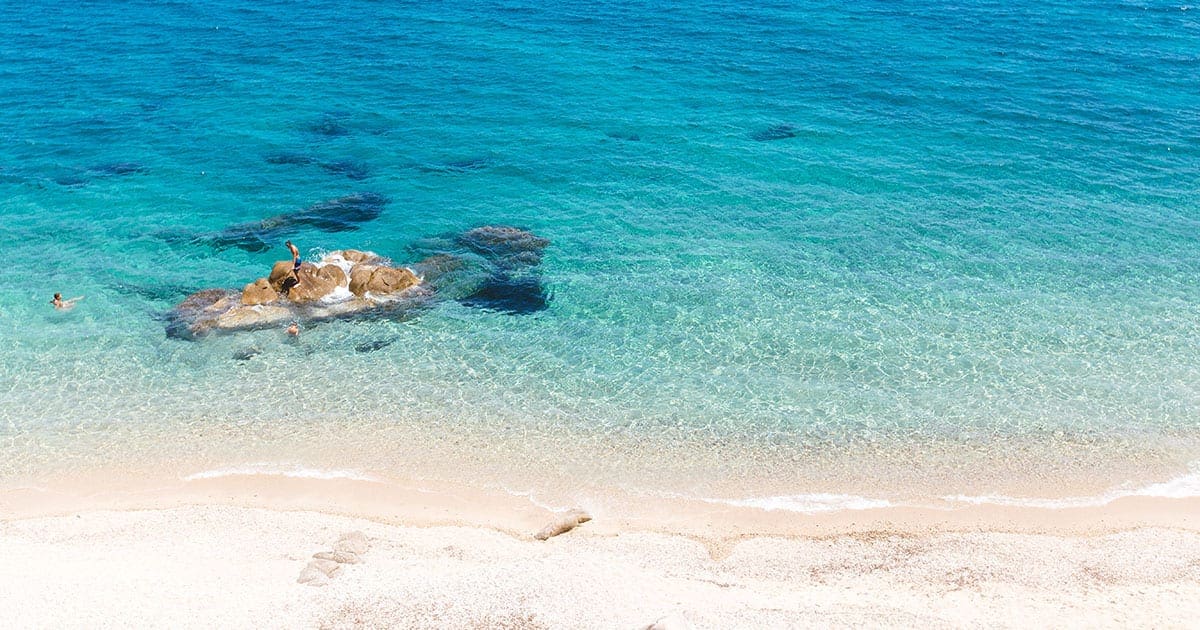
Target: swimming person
{"points": [[294, 329], [61, 304]]}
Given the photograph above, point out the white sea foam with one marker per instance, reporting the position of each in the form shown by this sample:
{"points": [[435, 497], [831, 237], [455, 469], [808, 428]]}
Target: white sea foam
{"points": [[280, 470], [336, 260], [528, 494], [340, 294], [1178, 488], [806, 503]]}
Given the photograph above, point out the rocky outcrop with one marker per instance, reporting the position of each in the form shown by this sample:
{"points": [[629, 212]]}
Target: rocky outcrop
{"points": [[489, 267], [319, 290], [361, 258], [381, 280], [315, 283]]}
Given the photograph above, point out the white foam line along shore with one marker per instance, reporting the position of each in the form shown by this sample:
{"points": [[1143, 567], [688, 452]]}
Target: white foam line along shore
{"points": [[1182, 487], [297, 472]]}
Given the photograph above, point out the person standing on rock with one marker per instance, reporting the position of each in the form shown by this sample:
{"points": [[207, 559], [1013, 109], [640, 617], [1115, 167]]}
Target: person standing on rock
{"points": [[295, 265]]}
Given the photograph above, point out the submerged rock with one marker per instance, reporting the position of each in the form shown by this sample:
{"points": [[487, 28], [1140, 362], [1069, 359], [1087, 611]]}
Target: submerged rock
{"points": [[328, 125], [118, 168], [352, 169], [334, 215], [197, 314], [506, 294], [246, 354], [508, 247], [290, 158], [774, 132], [372, 346], [71, 180]]}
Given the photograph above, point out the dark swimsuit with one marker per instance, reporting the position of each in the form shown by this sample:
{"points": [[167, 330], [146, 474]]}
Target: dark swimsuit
{"points": [[297, 267]]}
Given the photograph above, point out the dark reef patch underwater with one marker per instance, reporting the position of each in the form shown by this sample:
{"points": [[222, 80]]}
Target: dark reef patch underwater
{"points": [[507, 294], [349, 168], [342, 214], [774, 132]]}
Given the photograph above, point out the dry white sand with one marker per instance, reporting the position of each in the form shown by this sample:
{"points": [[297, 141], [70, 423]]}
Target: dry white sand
{"points": [[237, 567]]}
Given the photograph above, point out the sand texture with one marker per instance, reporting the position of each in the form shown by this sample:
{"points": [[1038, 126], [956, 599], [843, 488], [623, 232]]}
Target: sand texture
{"points": [[237, 567]]}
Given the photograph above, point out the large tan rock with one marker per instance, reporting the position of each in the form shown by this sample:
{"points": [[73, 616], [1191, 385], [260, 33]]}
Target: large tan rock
{"points": [[380, 280], [358, 257], [280, 272], [315, 283], [259, 292]]}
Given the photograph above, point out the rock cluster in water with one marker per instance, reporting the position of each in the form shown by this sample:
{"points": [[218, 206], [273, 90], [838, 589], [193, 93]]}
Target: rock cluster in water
{"points": [[492, 267]]}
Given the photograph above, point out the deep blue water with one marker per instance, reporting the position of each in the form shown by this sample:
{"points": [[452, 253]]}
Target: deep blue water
{"points": [[818, 231]]}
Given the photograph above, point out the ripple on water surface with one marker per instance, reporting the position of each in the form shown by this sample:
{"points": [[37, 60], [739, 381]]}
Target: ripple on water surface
{"points": [[781, 263]]}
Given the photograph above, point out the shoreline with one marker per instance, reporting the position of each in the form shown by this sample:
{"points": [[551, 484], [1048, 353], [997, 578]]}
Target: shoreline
{"points": [[427, 503]]}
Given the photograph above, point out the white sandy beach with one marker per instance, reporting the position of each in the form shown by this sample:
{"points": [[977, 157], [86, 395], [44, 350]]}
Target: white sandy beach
{"points": [[205, 556]]}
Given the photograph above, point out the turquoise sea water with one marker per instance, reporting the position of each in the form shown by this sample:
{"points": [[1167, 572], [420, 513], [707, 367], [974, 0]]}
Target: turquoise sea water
{"points": [[889, 249]]}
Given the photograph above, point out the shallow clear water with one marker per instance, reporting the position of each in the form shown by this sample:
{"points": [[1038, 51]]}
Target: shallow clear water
{"points": [[888, 248]]}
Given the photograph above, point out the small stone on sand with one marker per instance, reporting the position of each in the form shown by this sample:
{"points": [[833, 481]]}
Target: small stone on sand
{"points": [[353, 542], [563, 524], [342, 557], [328, 567], [312, 576]]}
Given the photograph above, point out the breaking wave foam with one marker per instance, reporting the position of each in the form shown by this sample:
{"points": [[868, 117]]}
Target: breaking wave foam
{"points": [[806, 503], [1178, 488], [277, 470]]}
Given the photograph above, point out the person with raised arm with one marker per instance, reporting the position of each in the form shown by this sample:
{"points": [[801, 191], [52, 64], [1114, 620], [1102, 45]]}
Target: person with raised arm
{"points": [[63, 305]]}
